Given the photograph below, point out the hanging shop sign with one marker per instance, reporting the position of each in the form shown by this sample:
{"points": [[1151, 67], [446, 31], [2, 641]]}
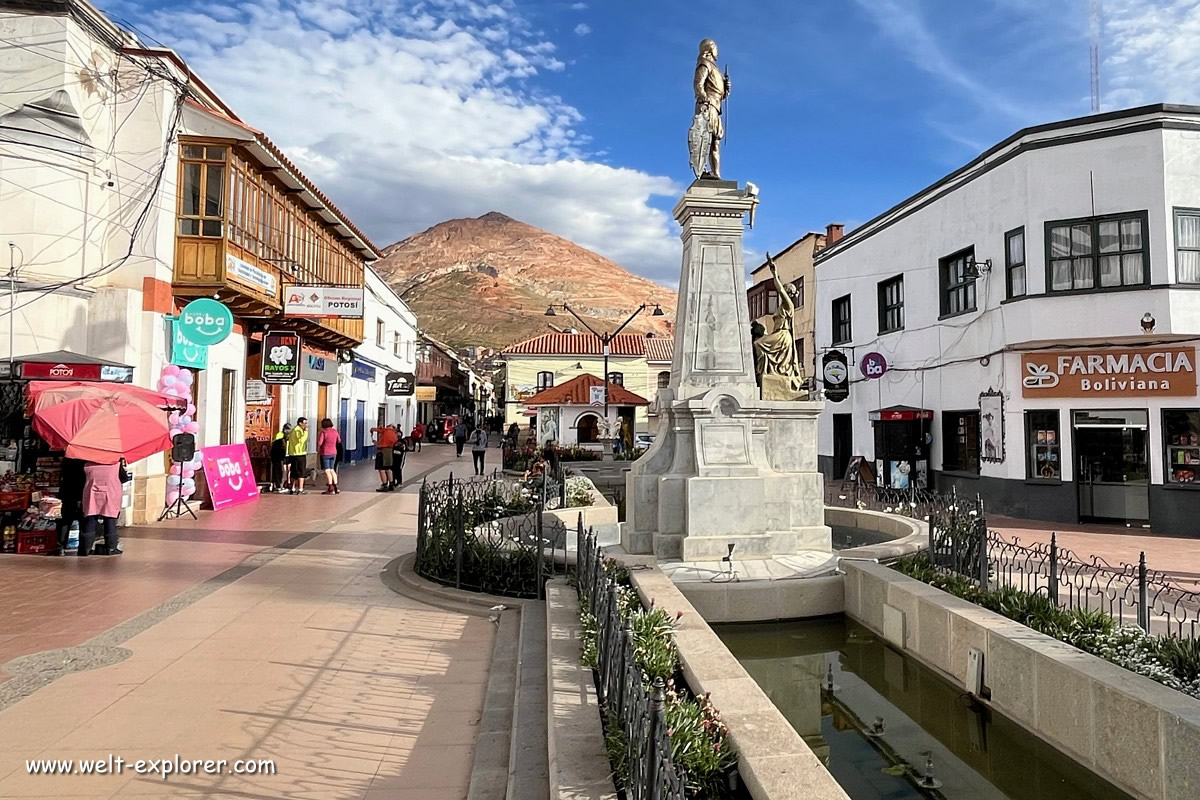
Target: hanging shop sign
{"points": [[1121, 372], [596, 395], [184, 352], [363, 371], [205, 321], [281, 357], [400, 384], [426, 394], [318, 302], [873, 365], [322, 369], [257, 393], [836, 376], [247, 273]]}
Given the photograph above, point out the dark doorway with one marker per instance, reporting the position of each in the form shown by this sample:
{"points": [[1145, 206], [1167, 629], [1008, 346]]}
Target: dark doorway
{"points": [[843, 443], [1112, 468]]}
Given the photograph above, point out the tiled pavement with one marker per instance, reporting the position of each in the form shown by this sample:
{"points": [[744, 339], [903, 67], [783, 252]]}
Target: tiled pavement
{"points": [[295, 653]]}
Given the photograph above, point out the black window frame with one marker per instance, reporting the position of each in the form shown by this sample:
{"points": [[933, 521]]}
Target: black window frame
{"points": [[843, 328], [545, 380], [1176, 213], [616, 378], [799, 284], [970, 439], [664, 379], [968, 284], [1010, 265], [1095, 254], [891, 310], [1033, 471], [1177, 454]]}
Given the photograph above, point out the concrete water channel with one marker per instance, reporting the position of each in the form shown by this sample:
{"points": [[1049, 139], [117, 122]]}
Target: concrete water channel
{"points": [[928, 726]]}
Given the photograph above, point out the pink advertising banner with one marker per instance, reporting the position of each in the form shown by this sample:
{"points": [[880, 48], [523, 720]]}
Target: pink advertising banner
{"points": [[229, 474]]}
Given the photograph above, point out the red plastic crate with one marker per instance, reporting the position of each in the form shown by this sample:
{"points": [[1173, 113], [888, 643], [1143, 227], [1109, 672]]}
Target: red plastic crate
{"points": [[14, 501], [35, 542]]}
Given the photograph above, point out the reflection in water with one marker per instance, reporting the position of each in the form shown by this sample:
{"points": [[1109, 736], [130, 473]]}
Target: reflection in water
{"points": [[976, 753]]}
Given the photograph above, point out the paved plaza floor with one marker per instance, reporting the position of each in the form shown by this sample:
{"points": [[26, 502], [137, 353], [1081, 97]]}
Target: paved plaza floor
{"points": [[259, 632]]}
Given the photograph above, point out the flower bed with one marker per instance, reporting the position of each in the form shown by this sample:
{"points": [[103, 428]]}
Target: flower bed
{"points": [[1171, 661], [579, 492], [699, 747]]}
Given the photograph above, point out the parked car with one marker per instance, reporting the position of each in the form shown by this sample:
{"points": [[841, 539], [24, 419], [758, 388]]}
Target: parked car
{"points": [[643, 440], [440, 429]]}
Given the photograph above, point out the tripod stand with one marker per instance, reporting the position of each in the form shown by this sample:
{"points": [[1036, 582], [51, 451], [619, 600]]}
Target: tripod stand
{"points": [[176, 510]]}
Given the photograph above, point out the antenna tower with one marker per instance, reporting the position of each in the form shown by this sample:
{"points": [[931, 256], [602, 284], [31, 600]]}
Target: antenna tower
{"points": [[1094, 26]]}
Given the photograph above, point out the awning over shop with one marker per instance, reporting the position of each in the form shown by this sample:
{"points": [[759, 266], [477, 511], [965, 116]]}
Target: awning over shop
{"points": [[62, 365], [900, 414]]}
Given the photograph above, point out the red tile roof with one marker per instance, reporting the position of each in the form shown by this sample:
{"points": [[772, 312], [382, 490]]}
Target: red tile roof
{"points": [[579, 344], [577, 392], [660, 350]]}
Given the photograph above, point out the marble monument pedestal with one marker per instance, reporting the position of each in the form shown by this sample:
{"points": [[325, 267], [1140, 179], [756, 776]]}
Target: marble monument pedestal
{"points": [[724, 470]]}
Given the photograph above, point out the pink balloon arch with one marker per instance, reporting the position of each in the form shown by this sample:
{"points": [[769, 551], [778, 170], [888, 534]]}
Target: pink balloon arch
{"points": [[177, 382]]}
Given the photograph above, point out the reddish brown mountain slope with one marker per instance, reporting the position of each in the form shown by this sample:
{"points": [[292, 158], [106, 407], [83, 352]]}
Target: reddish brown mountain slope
{"points": [[487, 282]]}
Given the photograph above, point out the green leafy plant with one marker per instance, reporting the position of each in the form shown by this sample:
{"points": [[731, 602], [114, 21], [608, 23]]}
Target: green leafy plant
{"points": [[579, 492]]}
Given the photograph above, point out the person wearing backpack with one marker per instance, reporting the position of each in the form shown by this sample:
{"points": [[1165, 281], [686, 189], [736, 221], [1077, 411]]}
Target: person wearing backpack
{"points": [[479, 445]]}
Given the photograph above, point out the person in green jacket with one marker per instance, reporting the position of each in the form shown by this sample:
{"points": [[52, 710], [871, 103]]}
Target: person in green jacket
{"points": [[297, 450], [279, 460]]}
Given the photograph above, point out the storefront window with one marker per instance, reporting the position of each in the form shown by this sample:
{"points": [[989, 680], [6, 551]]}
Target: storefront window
{"points": [[960, 441], [1042, 443], [1181, 430]]}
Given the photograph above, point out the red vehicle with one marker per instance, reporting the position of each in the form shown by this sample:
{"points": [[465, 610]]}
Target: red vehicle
{"points": [[440, 429]]}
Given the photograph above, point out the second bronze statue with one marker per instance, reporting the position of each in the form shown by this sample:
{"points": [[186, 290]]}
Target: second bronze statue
{"points": [[776, 361]]}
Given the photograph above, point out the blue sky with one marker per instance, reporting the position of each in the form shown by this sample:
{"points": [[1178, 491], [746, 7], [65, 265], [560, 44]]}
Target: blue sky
{"points": [[572, 115]]}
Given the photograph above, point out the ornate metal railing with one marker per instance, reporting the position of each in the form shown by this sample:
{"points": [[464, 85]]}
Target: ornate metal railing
{"points": [[1132, 594], [916, 503], [489, 535], [624, 692]]}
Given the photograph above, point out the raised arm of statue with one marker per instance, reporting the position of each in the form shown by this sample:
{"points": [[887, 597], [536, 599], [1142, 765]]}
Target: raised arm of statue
{"points": [[785, 297]]}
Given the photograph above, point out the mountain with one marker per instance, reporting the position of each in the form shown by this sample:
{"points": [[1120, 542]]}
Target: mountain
{"points": [[487, 281]]}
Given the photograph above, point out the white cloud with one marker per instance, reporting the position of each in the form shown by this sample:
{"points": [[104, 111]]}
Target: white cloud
{"points": [[579, 6], [1149, 52], [408, 113], [582, 29]]}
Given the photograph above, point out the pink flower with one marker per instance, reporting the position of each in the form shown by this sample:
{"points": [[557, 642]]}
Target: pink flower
{"points": [[678, 615]]}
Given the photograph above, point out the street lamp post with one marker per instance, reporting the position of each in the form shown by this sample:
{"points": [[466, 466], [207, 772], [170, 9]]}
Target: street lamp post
{"points": [[606, 338], [12, 303]]}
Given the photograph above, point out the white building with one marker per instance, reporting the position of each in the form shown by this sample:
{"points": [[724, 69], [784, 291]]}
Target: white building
{"points": [[368, 399], [129, 189], [1010, 301]]}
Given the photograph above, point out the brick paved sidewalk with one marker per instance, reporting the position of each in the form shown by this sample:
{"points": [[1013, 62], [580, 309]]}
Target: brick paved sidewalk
{"points": [[283, 645]]}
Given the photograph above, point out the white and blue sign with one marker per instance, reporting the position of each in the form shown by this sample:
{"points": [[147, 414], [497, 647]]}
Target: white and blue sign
{"points": [[363, 371], [184, 352], [205, 321]]}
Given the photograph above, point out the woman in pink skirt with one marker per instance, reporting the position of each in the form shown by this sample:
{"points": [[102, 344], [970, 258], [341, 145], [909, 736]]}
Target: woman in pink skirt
{"points": [[101, 501]]}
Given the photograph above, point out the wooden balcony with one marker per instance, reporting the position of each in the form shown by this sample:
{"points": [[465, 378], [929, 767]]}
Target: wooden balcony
{"points": [[203, 267]]}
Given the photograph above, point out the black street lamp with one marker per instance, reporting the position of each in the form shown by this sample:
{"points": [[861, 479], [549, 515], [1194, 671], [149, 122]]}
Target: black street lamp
{"points": [[605, 338]]}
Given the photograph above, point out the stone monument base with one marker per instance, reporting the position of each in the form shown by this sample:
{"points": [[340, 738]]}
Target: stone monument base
{"points": [[726, 470]]}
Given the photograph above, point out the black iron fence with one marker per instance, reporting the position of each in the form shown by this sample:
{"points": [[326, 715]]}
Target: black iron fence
{"points": [[490, 535], [622, 687], [1132, 594], [960, 542]]}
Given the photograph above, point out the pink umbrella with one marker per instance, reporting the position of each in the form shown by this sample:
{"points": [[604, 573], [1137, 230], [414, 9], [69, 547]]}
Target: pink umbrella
{"points": [[102, 423]]}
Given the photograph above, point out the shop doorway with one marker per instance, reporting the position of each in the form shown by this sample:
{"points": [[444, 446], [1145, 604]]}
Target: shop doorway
{"points": [[843, 443], [343, 419], [360, 430], [1112, 465]]}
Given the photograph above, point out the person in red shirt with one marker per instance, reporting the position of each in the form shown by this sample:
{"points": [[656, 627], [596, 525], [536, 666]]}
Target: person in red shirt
{"points": [[418, 435], [385, 440]]}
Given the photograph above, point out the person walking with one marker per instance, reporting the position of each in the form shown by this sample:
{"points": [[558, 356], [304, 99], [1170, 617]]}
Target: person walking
{"points": [[385, 440], [418, 435], [328, 440], [101, 505], [279, 462], [460, 438], [70, 491], [398, 453], [297, 451], [479, 445], [514, 435]]}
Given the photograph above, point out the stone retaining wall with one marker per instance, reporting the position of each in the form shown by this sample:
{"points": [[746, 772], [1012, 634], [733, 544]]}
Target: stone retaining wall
{"points": [[1136, 733], [774, 762]]}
